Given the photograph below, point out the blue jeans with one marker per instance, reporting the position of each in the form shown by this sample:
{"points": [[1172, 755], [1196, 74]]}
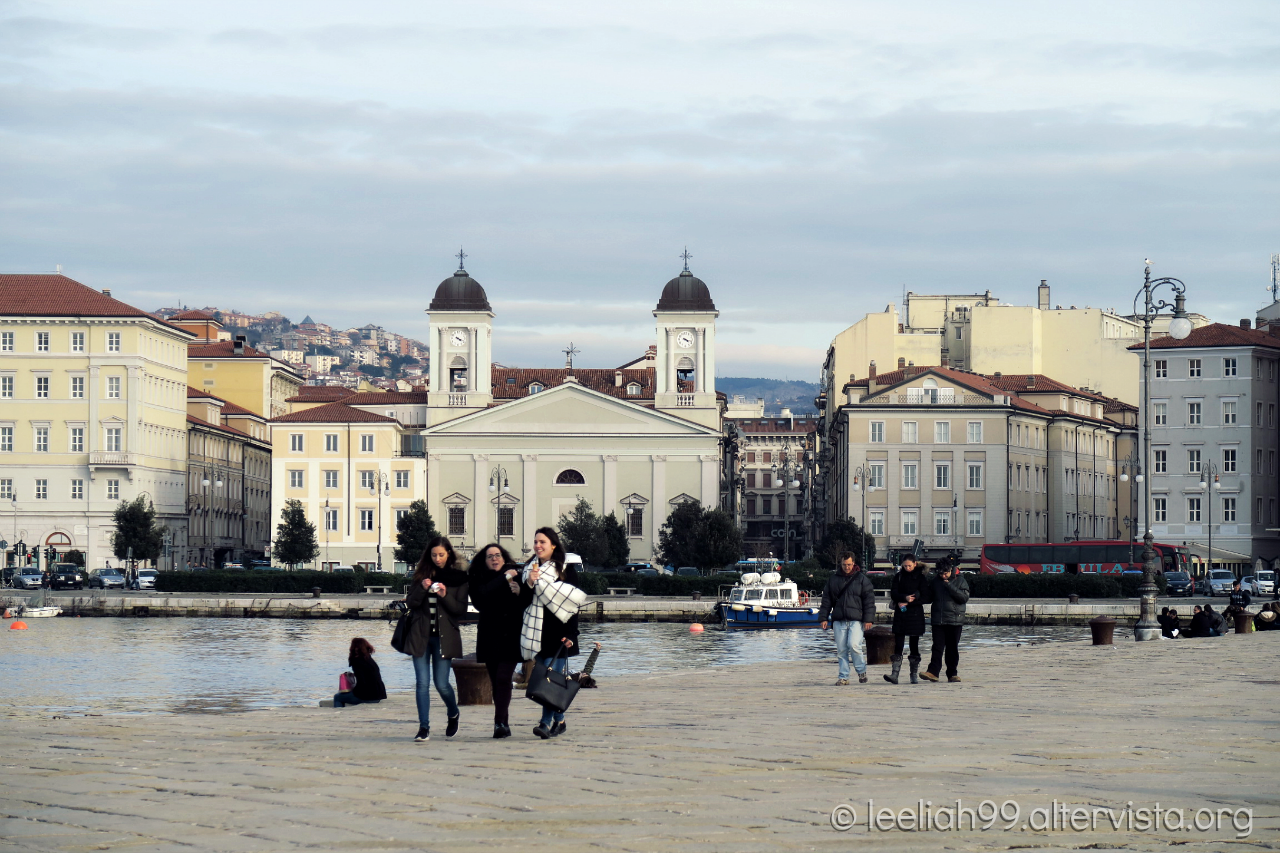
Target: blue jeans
{"points": [[426, 669], [548, 715], [851, 647]]}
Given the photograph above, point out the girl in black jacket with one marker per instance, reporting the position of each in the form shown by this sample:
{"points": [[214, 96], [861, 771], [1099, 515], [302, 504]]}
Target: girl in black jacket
{"points": [[497, 593], [438, 600], [369, 686], [907, 595]]}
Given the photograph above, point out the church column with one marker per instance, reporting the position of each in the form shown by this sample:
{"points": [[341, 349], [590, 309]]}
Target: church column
{"points": [[710, 481], [437, 361], [610, 485], [659, 499], [479, 497], [529, 501], [701, 362], [436, 508], [473, 360], [672, 385], [132, 439]]}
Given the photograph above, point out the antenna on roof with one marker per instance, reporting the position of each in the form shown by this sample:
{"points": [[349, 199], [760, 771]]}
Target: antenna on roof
{"points": [[1275, 278]]}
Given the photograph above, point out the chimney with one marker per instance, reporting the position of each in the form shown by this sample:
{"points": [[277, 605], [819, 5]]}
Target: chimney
{"points": [[617, 379], [998, 374], [902, 362], [1031, 380], [1273, 328], [1245, 324], [106, 291], [1043, 302], [871, 371], [946, 359], [237, 347]]}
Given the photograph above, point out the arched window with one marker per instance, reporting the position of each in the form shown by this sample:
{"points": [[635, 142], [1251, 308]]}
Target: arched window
{"points": [[570, 477], [633, 389], [535, 387]]}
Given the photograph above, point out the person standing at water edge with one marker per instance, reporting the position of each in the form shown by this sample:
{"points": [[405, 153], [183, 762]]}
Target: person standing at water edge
{"points": [[497, 593], [369, 686], [551, 619], [849, 600], [949, 592], [907, 595], [438, 599]]}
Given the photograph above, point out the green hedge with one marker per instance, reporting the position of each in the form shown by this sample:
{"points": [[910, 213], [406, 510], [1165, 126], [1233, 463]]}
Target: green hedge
{"points": [[276, 582]]}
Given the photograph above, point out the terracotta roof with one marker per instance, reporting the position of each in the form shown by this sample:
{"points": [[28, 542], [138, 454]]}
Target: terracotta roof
{"points": [[224, 349], [333, 413], [510, 383], [228, 407], [192, 419], [1216, 335], [193, 314], [390, 398], [1017, 383], [55, 295], [320, 394]]}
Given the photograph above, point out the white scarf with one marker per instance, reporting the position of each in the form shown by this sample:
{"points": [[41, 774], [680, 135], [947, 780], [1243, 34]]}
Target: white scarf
{"points": [[549, 593]]}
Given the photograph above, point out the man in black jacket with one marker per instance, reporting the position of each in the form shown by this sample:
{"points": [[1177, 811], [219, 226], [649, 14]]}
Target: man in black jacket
{"points": [[948, 592], [849, 600]]}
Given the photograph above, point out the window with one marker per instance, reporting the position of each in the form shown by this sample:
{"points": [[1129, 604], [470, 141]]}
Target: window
{"points": [[6, 341], [42, 490], [1193, 510], [1228, 412], [42, 341], [1193, 461], [1228, 460], [42, 439], [751, 457], [507, 520], [1271, 414], [366, 518], [942, 432], [909, 519], [1229, 367], [751, 506], [331, 479], [42, 387], [1257, 461], [1162, 368], [366, 480], [366, 443], [942, 522], [975, 522], [570, 477], [751, 479], [1160, 509], [635, 519], [975, 475], [942, 475], [6, 387], [766, 457], [1229, 510], [633, 390], [536, 387], [113, 490], [113, 342], [457, 521], [875, 526], [6, 489], [114, 439], [875, 475], [295, 479], [77, 439], [6, 442], [331, 442], [402, 479], [77, 387], [877, 432], [1271, 457], [113, 387], [77, 341], [910, 475], [330, 519], [1161, 413], [77, 490], [1193, 368], [1257, 414], [974, 434], [766, 506], [295, 442], [1194, 410], [910, 432]]}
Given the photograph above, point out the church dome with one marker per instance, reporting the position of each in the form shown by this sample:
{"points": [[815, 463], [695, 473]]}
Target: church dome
{"points": [[460, 292], [686, 292]]}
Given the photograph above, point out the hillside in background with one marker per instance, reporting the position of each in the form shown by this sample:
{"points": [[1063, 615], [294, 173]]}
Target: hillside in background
{"points": [[776, 393]]}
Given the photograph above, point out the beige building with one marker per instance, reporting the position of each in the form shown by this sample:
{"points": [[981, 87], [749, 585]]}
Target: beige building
{"points": [[92, 413], [771, 464], [243, 375]]}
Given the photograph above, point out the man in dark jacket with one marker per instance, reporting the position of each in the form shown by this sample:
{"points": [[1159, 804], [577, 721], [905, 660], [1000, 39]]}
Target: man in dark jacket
{"points": [[1239, 599], [1200, 625], [849, 601], [947, 592]]}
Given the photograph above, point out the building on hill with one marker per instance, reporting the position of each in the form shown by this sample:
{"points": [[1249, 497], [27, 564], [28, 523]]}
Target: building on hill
{"points": [[206, 328], [246, 376], [92, 413]]}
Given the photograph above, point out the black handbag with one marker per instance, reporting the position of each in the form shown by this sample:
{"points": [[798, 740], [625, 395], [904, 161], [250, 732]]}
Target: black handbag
{"points": [[551, 689], [400, 636]]}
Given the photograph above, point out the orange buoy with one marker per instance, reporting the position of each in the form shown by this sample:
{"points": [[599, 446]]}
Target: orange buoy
{"points": [[696, 628], [18, 626]]}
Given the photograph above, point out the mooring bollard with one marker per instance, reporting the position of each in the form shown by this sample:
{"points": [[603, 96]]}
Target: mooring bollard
{"points": [[1103, 629], [697, 596], [1073, 599], [473, 681], [879, 645], [1244, 621], [315, 592]]}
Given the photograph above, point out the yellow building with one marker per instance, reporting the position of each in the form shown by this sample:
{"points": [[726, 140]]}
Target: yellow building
{"points": [[93, 411], [247, 377]]}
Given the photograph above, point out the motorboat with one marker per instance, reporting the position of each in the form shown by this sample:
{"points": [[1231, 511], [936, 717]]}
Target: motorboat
{"points": [[767, 601], [37, 607]]}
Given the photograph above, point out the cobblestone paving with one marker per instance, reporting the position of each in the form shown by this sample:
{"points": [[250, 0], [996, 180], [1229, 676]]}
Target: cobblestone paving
{"points": [[740, 758]]}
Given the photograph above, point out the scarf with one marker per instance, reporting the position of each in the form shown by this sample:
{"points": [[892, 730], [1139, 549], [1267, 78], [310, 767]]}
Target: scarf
{"points": [[550, 593]]}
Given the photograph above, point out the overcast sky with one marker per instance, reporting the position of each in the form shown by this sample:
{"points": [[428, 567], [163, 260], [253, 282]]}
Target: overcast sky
{"points": [[817, 158]]}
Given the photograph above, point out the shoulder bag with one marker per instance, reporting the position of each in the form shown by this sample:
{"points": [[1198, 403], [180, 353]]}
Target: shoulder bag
{"points": [[400, 636], [551, 689]]}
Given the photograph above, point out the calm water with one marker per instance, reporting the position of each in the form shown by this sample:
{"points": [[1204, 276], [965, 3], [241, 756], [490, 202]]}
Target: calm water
{"points": [[217, 665]]}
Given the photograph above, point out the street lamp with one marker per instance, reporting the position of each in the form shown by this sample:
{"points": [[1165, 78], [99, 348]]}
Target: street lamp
{"points": [[861, 473], [1132, 463], [1148, 628], [784, 473], [327, 561], [1206, 472], [208, 524], [381, 485]]}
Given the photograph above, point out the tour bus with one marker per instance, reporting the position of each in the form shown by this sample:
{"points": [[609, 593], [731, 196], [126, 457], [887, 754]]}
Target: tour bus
{"points": [[1099, 557]]}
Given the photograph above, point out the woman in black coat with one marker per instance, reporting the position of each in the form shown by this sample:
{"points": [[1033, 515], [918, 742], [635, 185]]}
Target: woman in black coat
{"points": [[907, 595], [369, 686], [496, 591], [438, 600]]}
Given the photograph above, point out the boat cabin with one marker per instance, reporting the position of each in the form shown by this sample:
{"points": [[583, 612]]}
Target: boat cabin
{"points": [[768, 590]]}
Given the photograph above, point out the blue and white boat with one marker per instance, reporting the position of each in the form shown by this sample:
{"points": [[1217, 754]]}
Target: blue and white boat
{"points": [[767, 601]]}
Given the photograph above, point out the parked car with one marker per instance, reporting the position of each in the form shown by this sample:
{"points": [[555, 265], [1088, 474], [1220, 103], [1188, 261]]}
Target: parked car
{"points": [[66, 576], [634, 567], [688, 572], [259, 564], [232, 567], [28, 578], [1179, 583], [345, 570], [1264, 582], [107, 579], [146, 579], [1219, 581], [730, 572], [1246, 583], [647, 572]]}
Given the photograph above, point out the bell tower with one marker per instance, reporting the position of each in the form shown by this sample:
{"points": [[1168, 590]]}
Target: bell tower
{"points": [[461, 344], [684, 383]]}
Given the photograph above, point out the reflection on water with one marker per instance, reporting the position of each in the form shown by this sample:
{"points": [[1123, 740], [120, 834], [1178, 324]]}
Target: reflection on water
{"points": [[134, 666]]}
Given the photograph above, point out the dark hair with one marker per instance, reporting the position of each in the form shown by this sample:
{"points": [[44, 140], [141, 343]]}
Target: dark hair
{"points": [[426, 566], [478, 561], [360, 648], [557, 554], [847, 555]]}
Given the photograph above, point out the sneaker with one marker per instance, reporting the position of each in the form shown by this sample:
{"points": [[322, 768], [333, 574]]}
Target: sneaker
{"points": [[928, 676], [452, 729], [424, 734], [541, 731], [953, 678], [862, 678], [558, 730], [842, 682]]}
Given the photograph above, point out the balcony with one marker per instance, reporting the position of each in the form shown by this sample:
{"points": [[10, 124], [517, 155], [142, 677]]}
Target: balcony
{"points": [[457, 399], [112, 459], [933, 397], [685, 401]]}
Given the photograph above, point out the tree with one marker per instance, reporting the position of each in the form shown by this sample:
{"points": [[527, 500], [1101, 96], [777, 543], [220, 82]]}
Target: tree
{"points": [[414, 530], [704, 538], [371, 370], [136, 529], [581, 534], [295, 536], [74, 556], [846, 535], [616, 536]]}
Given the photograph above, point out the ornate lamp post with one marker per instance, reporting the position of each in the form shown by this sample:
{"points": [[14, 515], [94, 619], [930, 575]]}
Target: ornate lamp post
{"points": [[1209, 474], [861, 474], [1148, 628], [1132, 463], [380, 486], [785, 475]]}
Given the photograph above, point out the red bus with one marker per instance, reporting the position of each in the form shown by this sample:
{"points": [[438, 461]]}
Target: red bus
{"points": [[1098, 557]]}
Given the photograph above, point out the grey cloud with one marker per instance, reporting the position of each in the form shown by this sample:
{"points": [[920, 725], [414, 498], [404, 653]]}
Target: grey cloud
{"points": [[36, 36]]}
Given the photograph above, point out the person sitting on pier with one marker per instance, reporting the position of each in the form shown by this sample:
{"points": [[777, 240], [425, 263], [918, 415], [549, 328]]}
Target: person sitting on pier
{"points": [[1200, 625], [369, 686], [1217, 625], [1268, 619], [1168, 620], [1239, 599]]}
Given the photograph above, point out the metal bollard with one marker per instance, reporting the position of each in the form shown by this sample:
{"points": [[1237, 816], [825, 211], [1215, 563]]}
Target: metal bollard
{"points": [[879, 645], [1073, 599], [1103, 629], [1244, 621], [315, 592]]}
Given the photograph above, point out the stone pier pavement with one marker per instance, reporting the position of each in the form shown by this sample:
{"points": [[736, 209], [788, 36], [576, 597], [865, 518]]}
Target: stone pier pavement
{"points": [[735, 759]]}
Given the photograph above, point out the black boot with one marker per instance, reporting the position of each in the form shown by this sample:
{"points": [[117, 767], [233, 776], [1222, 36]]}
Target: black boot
{"points": [[915, 669], [892, 677]]}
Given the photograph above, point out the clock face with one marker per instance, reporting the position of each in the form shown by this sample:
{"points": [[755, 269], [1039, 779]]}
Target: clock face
{"points": [[459, 338], [684, 340]]}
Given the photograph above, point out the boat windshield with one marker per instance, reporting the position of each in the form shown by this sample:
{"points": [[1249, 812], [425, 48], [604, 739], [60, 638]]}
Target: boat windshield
{"points": [[786, 593], [737, 595], [770, 595], [754, 594]]}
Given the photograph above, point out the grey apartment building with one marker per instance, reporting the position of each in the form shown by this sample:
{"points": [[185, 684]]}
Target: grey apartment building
{"points": [[1212, 412]]}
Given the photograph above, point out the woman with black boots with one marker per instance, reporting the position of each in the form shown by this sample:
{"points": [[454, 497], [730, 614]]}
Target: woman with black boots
{"points": [[907, 595], [497, 593]]}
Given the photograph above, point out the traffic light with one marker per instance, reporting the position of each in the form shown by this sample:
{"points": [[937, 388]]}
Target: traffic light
{"points": [[50, 555]]}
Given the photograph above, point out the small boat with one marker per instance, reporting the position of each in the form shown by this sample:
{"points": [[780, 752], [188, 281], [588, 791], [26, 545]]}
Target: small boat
{"points": [[767, 601], [38, 606]]}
